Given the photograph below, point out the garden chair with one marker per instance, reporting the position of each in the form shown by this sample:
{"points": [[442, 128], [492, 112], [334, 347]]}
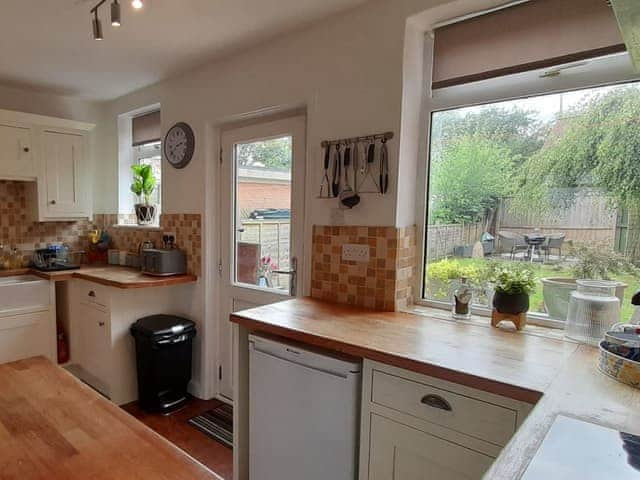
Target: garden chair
{"points": [[512, 243], [554, 242]]}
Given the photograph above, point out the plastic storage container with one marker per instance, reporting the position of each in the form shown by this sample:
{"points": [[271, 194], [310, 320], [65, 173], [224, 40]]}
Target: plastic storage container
{"points": [[163, 358], [593, 309]]}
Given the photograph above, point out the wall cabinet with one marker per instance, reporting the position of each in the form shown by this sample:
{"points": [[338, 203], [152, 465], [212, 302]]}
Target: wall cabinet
{"points": [[16, 152], [416, 427], [63, 184], [51, 154]]}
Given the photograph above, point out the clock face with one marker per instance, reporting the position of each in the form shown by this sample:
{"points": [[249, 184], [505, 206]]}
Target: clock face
{"points": [[179, 143]]}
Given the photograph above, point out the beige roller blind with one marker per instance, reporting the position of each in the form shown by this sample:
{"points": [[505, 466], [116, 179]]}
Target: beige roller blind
{"points": [[527, 36], [146, 128]]}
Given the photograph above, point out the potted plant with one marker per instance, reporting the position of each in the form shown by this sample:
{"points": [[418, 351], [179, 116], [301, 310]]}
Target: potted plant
{"points": [[143, 186], [513, 283], [594, 262]]}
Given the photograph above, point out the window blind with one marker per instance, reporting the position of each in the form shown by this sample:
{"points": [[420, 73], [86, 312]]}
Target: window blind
{"points": [[146, 128], [528, 36]]}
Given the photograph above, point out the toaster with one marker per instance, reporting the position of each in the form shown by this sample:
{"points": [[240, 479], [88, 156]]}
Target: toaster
{"points": [[163, 262]]}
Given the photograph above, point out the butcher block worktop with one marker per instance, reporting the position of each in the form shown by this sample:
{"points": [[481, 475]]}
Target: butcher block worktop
{"points": [[559, 376], [111, 276], [54, 427]]}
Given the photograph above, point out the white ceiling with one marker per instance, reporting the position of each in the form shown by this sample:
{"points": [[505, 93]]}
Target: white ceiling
{"points": [[48, 45]]}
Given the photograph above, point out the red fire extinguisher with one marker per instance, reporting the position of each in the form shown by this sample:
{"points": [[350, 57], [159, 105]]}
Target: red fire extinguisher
{"points": [[63, 345]]}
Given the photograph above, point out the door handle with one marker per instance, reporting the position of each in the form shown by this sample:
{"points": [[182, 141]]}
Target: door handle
{"points": [[436, 401], [293, 273]]}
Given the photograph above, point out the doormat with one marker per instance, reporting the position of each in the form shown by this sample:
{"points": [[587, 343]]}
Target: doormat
{"points": [[216, 423]]}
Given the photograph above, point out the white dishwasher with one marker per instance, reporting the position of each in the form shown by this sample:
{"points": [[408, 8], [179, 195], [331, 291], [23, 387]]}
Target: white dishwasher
{"points": [[304, 413]]}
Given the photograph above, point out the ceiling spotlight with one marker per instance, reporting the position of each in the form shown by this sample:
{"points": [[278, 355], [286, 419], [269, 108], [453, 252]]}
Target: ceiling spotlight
{"points": [[97, 26], [137, 4], [115, 13]]}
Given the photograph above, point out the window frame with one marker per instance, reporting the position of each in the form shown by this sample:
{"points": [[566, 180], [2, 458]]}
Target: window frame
{"points": [[146, 150], [484, 96]]}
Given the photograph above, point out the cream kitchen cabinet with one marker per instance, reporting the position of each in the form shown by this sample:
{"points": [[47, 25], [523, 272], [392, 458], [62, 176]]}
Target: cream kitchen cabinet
{"points": [[101, 346], [416, 427], [62, 186], [16, 152], [52, 155], [398, 451]]}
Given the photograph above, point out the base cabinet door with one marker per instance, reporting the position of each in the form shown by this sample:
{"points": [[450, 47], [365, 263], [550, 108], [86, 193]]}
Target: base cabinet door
{"points": [[95, 344], [400, 452]]}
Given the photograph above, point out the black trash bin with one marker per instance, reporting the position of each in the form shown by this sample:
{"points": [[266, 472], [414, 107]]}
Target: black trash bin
{"points": [[163, 358]]}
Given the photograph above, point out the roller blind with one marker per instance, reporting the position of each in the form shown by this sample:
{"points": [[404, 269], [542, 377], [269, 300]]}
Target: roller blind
{"points": [[146, 128], [523, 37]]}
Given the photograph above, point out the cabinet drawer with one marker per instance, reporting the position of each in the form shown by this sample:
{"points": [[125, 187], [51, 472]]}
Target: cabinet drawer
{"points": [[93, 294], [476, 418]]}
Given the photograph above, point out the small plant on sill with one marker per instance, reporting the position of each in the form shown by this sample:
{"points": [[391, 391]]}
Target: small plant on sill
{"points": [[143, 186]]}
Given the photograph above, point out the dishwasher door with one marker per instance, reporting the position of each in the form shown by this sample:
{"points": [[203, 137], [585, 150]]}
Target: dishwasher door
{"points": [[304, 411]]}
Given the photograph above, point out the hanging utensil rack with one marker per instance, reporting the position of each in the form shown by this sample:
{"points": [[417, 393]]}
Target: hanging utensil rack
{"points": [[365, 138]]}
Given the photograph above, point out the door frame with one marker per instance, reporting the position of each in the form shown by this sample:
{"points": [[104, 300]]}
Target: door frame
{"points": [[296, 125]]}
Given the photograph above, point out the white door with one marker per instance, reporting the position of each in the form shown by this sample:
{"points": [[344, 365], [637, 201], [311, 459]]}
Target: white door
{"points": [[63, 159], [16, 160], [261, 223]]}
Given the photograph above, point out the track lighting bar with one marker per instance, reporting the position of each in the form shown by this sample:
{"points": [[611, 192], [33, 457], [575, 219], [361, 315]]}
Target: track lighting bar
{"points": [[116, 17]]}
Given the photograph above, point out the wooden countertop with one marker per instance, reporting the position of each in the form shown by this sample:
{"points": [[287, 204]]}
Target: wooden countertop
{"points": [[112, 276], [559, 376], [54, 427]]}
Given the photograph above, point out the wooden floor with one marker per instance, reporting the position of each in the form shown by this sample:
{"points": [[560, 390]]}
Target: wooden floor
{"points": [[175, 428]]}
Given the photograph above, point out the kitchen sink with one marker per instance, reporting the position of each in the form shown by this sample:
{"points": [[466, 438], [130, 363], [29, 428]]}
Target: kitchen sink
{"points": [[16, 279], [23, 292]]}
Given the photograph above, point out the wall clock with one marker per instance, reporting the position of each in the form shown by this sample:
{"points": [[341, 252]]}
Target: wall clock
{"points": [[179, 144]]}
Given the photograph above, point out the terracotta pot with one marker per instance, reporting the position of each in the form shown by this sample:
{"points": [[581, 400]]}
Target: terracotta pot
{"points": [[511, 303], [145, 213]]}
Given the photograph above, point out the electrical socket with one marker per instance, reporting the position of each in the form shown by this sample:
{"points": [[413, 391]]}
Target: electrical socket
{"points": [[168, 235], [355, 252]]}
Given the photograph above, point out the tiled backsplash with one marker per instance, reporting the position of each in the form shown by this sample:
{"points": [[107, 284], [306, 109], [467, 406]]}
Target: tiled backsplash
{"points": [[187, 227], [384, 282], [16, 229]]}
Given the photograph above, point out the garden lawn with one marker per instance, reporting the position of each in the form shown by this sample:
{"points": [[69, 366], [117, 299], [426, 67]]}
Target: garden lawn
{"points": [[550, 270]]}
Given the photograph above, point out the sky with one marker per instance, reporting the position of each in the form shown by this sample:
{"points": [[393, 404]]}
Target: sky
{"points": [[547, 106]]}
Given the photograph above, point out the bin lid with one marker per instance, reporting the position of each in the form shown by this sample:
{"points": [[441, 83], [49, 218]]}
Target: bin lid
{"points": [[162, 325]]}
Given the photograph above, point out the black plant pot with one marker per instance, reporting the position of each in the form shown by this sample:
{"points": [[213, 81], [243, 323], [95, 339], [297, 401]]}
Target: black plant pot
{"points": [[145, 213], [511, 303]]}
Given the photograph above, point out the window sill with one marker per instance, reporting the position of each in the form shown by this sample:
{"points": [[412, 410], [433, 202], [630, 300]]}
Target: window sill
{"points": [[146, 228], [532, 327]]}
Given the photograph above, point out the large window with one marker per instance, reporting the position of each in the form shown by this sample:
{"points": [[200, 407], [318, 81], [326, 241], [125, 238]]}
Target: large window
{"points": [[551, 182]]}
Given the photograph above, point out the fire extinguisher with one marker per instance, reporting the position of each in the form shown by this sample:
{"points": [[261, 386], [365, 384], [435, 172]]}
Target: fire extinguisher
{"points": [[63, 345]]}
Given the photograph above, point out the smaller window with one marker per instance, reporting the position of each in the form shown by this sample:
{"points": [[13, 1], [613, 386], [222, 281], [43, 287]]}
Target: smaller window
{"points": [[151, 154]]}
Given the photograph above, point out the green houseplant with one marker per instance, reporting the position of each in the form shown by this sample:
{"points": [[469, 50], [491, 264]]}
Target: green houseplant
{"points": [[143, 186], [513, 283]]}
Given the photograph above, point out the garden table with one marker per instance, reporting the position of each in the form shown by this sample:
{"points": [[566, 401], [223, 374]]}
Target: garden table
{"points": [[534, 241]]}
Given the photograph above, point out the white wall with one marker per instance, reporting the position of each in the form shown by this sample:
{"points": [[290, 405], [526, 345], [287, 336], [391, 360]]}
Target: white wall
{"points": [[353, 75]]}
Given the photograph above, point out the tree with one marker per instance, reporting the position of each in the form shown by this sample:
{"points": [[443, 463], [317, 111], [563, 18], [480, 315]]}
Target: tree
{"points": [[274, 154], [468, 180], [518, 130], [599, 148]]}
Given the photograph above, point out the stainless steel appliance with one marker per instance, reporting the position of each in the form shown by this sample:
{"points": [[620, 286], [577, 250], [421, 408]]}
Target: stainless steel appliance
{"points": [[163, 262]]}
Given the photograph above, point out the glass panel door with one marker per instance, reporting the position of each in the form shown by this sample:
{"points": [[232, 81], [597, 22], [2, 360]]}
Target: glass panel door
{"points": [[263, 213]]}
